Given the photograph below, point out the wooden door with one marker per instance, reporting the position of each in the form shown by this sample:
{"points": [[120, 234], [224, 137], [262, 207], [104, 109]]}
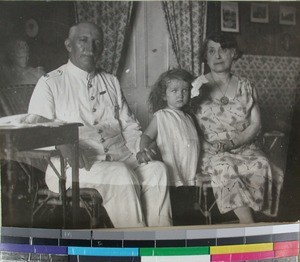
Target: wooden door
{"points": [[149, 54]]}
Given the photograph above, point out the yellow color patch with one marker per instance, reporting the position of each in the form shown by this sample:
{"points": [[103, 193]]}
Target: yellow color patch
{"points": [[230, 249]]}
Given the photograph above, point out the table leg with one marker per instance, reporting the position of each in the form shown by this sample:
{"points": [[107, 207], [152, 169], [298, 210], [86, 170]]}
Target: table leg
{"points": [[10, 184], [63, 188], [75, 186]]}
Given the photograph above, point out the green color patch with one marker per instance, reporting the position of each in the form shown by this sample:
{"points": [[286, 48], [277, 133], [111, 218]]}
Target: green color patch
{"points": [[174, 251]]}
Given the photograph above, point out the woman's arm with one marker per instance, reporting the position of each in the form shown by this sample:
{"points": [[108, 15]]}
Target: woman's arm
{"points": [[147, 153], [246, 135], [255, 125]]}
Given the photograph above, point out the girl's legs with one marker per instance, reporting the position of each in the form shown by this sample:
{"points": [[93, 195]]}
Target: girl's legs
{"points": [[244, 214]]}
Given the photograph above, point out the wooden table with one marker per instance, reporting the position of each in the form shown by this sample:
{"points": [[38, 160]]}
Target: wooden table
{"points": [[19, 138]]}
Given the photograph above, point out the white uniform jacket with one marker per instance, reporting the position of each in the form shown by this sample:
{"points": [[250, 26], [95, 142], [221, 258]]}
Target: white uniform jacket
{"points": [[110, 131]]}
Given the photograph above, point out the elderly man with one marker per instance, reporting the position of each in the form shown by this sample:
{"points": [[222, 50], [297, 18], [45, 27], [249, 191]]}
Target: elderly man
{"points": [[134, 195]]}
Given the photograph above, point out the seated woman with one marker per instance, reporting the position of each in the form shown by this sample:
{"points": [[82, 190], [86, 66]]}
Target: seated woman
{"points": [[226, 108], [16, 70]]}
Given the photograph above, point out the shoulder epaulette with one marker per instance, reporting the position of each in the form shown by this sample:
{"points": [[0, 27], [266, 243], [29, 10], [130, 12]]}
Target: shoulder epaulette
{"points": [[54, 73]]}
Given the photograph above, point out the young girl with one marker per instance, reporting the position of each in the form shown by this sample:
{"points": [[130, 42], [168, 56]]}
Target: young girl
{"points": [[172, 128]]}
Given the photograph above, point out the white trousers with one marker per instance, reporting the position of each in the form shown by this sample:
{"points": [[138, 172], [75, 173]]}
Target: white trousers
{"points": [[132, 196]]}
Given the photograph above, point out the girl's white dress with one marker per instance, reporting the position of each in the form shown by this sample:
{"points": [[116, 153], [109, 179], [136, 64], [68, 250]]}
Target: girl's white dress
{"points": [[178, 143]]}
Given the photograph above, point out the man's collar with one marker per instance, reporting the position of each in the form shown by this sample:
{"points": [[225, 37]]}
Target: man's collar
{"points": [[79, 72]]}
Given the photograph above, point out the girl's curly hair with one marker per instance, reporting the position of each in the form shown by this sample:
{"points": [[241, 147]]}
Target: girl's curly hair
{"points": [[158, 92]]}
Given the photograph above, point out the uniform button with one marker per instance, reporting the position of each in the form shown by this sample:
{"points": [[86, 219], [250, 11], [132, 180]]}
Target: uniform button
{"points": [[102, 140], [90, 85], [92, 97], [94, 109], [105, 149], [100, 131]]}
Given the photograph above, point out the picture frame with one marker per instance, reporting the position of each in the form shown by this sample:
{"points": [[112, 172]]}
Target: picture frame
{"points": [[229, 17], [259, 13], [287, 15]]}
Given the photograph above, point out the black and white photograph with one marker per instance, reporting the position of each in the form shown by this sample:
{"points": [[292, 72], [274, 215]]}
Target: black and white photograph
{"points": [[137, 114]]}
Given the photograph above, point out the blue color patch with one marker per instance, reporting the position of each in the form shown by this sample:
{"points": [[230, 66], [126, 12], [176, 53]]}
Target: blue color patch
{"points": [[17, 248], [50, 250], [38, 249], [110, 252]]}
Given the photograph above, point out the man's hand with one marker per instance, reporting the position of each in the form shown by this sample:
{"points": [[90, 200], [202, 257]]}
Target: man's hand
{"points": [[66, 151], [223, 145], [146, 155]]}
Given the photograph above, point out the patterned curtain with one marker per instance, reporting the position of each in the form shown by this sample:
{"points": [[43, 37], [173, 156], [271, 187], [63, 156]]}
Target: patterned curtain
{"points": [[114, 18], [186, 21]]}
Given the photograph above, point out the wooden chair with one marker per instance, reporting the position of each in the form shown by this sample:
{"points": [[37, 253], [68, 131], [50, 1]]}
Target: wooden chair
{"points": [[203, 204], [14, 100]]}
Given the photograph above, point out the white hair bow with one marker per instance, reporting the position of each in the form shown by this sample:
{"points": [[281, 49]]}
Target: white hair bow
{"points": [[197, 83]]}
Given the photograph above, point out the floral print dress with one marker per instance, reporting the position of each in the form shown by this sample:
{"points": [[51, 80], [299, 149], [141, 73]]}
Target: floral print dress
{"points": [[243, 176]]}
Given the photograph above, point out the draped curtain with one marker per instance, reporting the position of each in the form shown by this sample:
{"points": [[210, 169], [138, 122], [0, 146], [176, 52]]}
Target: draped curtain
{"points": [[186, 22], [114, 18]]}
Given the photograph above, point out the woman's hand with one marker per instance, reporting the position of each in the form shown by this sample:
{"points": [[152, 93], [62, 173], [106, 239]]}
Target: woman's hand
{"points": [[146, 155], [223, 145], [227, 145], [66, 151]]}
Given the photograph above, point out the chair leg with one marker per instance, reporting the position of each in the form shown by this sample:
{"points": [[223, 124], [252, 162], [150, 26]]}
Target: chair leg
{"points": [[31, 189], [62, 186], [105, 218], [206, 212], [99, 213], [62, 182], [203, 203]]}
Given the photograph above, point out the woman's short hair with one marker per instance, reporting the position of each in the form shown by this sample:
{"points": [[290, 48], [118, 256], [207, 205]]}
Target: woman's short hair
{"points": [[226, 40], [158, 92]]}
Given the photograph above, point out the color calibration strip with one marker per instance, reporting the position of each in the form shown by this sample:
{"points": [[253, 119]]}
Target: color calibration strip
{"points": [[267, 243]]}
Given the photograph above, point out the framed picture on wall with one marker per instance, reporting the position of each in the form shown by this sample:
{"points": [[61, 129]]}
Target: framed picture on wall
{"points": [[259, 13], [229, 17], [287, 15]]}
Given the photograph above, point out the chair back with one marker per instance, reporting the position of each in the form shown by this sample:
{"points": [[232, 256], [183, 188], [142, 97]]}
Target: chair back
{"points": [[15, 99]]}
